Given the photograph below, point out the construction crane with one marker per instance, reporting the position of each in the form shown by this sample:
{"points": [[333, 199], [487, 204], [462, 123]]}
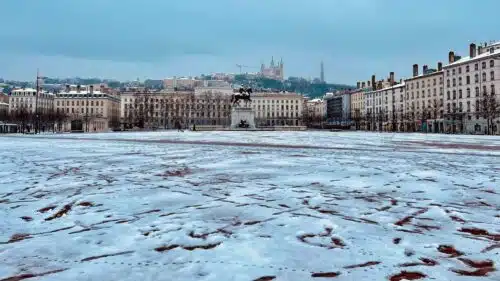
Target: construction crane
{"points": [[240, 66]]}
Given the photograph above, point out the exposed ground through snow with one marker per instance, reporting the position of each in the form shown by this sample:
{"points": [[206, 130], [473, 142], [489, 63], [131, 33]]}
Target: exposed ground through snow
{"points": [[249, 206]]}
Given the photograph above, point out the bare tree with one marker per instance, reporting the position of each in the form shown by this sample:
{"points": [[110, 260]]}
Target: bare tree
{"points": [[21, 116], [434, 112], [394, 119], [369, 120], [409, 117], [489, 109], [381, 117]]}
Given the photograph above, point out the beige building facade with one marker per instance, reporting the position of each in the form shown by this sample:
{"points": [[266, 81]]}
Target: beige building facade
{"points": [[26, 99], [84, 109], [316, 109], [278, 109], [423, 101], [164, 109], [210, 107]]}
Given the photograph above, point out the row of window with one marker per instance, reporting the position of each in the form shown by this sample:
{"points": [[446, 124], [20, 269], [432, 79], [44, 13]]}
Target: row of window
{"points": [[83, 103], [422, 83], [467, 68], [453, 107], [82, 110], [467, 79], [468, 92], [140, 100], [32, 94]]}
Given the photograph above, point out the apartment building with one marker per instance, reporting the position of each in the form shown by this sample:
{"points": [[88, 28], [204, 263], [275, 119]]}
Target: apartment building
{"points": [[338, 108], [26, 100], [316, 110], [166, 108], [81, 108], [423, 102], [472, 86], [278, 109], [358, 100], [378, 103]]}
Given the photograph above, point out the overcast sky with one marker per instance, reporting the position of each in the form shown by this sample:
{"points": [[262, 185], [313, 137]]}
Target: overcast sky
{"points": [[130, 39]]}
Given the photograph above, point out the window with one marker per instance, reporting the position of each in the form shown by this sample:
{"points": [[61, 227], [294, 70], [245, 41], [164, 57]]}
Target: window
{"points": [[454, 94], [448, 95], [492, 89], [454, 82], [477, 91], [448, 72], [459, 81], [434, 92], [484, 91], [476, 67], [453, 71], [484, 77], [492, 63], [467, 79], [459, 70], [448, 83], [476, 78], [467, 68], [492, 75], [468, 106], [434, 82], [468, 92], [483, 65], [460, 93]]}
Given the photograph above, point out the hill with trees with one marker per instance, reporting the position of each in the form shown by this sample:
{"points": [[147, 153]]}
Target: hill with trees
{"points": [[312, 89]]}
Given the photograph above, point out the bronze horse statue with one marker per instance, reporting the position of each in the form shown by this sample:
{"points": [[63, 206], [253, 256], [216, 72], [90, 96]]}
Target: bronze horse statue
{"points": [[244, 94]]}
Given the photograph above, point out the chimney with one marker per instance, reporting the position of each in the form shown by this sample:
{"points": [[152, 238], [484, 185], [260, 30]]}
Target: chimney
{"points": [[440, 66], [472, 50], [424, 69], [91, 89], [368, 84], [374, 86], [67, 88], [479, 49], [78, 88], [391, 78], [401, 81], [363, 84], [358, 85], [415, 70], [451, 57]]}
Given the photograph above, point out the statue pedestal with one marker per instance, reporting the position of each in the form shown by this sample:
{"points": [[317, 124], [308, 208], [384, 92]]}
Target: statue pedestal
{"points": [[245, 114]]}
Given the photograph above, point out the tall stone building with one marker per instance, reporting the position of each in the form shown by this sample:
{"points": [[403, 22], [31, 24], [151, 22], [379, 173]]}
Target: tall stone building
{"points": [[81, 108], [472, 85]]}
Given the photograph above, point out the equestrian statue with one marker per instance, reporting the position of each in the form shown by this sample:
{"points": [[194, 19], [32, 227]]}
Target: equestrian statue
{"points": [[243, 94]]}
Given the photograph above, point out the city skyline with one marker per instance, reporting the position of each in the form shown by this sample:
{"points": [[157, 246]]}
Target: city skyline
{"points": [[197, 37]]}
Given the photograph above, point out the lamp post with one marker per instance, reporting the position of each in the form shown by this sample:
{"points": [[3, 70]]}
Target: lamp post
{"points": [[35, 121]]}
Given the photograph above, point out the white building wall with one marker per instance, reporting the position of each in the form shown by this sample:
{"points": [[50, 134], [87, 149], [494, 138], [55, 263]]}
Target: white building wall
{"points": [[466, 82]]}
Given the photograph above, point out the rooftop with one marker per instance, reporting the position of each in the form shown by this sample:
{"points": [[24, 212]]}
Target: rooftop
{"points": [[425, 75], [485, 55]]}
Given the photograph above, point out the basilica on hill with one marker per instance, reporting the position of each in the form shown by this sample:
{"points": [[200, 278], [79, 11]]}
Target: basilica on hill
{"points": [[274, 71]]}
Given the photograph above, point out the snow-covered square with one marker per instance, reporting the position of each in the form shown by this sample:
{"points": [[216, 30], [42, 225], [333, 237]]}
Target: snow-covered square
{"points": [[249, 206]]}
